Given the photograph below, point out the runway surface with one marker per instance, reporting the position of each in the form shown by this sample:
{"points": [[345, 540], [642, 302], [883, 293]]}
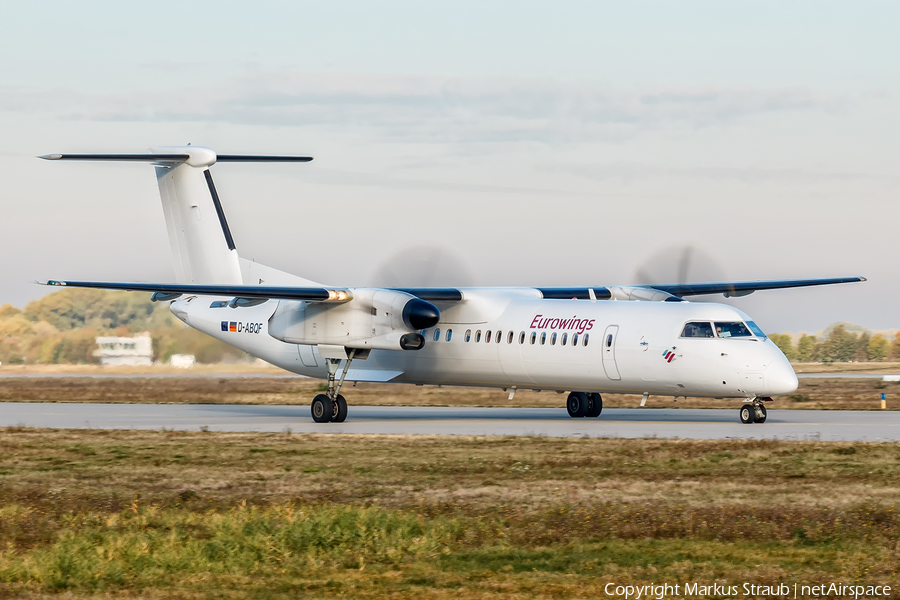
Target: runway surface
{"points": [[551, 422], [251, 375]]}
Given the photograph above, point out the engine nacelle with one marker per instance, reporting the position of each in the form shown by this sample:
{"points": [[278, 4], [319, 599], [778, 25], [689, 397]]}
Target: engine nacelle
{"points": [[375, 319], [641, 294]]}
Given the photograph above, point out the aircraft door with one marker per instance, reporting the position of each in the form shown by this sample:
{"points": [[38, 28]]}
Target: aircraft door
{"points": [[609, 352]]}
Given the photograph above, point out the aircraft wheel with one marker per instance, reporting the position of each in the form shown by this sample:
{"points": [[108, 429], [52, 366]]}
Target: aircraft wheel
{"points": [[748, 414], [322, 409], [760, 413], [339, 412], [596, 405], [576, 404]]}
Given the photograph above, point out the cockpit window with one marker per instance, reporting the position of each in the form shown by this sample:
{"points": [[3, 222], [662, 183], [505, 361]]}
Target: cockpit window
{"points": [[697, 330], [732, 329], [756, 330]]}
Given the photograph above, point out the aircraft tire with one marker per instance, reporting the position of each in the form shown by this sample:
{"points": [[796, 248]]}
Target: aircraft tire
{"points": [[748, 415], [321, 409], [576, 404], [760, 414], [339, 412], [596, 405]]}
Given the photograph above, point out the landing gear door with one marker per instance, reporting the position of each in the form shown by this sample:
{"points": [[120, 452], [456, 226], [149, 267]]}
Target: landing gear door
{"points": [[609, 352], [307, 355]]}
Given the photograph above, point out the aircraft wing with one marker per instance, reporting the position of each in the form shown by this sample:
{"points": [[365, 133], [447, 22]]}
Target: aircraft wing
{"points": [[322, 294], [307, 294], [742, 288]]}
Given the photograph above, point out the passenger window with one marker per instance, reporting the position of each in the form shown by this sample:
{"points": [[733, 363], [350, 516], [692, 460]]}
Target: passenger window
{"points": [[437, 335], [732, 329], [574, 339], [477, 336], [499, 336], [509, 337], [487, 336], [449, 334], [533, 338], [468, 334], [565, 337], [697, 330], [543, 338], [521, 337], [609, 341], [587, 338], [553, 339]]}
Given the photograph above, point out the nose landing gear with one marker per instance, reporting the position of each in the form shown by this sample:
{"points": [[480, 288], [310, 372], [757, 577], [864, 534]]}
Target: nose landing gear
{"points": [[754, 413], [331, 406]]}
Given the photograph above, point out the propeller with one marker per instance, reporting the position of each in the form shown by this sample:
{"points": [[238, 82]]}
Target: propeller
{"points": [[422, 265], [679, 263]]}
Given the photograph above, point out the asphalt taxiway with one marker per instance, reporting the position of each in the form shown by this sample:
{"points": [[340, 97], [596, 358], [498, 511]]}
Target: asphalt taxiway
{"points": [[551, 422]]}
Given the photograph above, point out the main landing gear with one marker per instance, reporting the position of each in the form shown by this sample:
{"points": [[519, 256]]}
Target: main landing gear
{"points": [[331, 407], [583, 404], [755, 412]]}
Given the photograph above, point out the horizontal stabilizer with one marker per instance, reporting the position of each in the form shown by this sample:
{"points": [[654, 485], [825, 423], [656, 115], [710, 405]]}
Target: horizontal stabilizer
{"points": [[306, 294], [175, 157], [120, 157], [260, 158]]}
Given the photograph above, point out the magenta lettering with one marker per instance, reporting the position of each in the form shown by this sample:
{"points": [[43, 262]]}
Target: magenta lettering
{"points": [[580, 325]]}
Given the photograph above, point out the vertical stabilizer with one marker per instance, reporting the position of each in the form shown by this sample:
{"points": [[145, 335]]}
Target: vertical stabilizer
{"points": [[202, 246]]}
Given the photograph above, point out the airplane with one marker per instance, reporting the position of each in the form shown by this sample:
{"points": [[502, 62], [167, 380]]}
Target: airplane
{"points": [[586, 340]]}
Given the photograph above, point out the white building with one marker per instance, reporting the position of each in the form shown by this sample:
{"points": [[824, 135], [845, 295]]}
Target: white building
{"points": [[129, 351], [182, 361]]}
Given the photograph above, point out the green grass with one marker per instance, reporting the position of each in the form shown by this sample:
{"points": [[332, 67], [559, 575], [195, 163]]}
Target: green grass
{"points": [[202, 515]]}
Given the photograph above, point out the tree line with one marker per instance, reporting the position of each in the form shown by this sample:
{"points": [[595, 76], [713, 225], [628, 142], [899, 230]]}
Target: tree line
{"points": [[60, 328], [839, 345]]}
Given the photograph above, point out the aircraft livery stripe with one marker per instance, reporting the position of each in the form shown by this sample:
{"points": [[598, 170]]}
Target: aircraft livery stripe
{"points": [[600, 293], [215, 198]]}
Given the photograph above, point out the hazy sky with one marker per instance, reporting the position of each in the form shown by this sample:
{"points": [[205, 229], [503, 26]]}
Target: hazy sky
{"points": [[536, 143]]}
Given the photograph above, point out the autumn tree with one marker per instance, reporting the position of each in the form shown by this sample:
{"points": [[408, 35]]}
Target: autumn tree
{"points": [[862, 347], [878, 348], [785, 344], [895, 348], [806, 347]]}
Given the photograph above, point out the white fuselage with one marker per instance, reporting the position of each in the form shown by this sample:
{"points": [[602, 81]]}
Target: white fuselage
{"points": [[632, 347]]}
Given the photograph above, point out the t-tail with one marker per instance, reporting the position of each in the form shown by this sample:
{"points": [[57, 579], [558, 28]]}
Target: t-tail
{"points": [[203, 248]]}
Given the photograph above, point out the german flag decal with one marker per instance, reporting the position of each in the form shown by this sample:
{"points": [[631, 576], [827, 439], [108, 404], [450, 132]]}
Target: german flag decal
{"points": [[232, 326]]}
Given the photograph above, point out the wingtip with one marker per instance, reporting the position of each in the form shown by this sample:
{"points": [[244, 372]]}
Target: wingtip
{"points": [[50, 282], [51, 156]]}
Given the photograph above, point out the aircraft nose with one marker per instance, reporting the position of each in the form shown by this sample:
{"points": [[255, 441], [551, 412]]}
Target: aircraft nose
{"points": [[780, 377]]}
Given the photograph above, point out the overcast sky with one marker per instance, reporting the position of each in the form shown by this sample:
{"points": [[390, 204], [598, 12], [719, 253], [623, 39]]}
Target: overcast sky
{"points": [[534, 143]]}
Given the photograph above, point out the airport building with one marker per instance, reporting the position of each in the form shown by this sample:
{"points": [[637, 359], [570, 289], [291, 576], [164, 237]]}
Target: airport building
{"points": [[125, 351]]}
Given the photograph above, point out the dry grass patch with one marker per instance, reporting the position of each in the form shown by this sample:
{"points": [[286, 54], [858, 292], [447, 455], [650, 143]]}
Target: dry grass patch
{"points": [[841, 394], [151, 514]]}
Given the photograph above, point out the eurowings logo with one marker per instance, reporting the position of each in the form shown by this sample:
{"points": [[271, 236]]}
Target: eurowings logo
{"points": [[668, 355]]}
